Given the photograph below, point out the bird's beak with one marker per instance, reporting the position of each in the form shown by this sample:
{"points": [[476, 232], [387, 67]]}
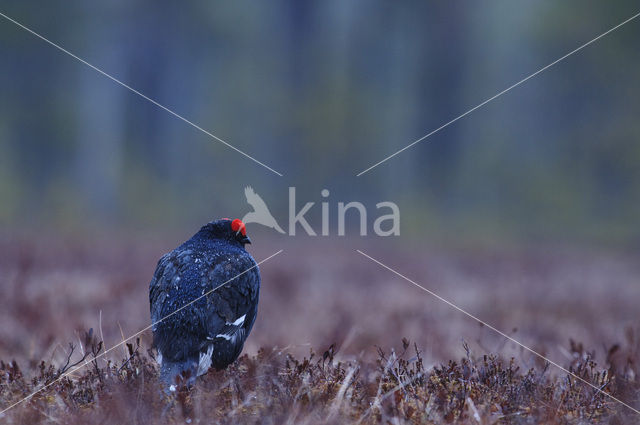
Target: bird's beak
{"points": [[246, 240]]}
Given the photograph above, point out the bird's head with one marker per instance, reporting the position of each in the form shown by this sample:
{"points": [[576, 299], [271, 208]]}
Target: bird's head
{"points": [[231, 230]]}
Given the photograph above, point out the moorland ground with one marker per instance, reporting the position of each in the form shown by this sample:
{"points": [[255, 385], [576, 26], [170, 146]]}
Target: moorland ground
{"points": [[327, 299]]}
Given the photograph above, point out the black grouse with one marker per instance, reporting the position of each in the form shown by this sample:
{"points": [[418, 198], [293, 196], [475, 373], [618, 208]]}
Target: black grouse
{"points": [[211, 331]]}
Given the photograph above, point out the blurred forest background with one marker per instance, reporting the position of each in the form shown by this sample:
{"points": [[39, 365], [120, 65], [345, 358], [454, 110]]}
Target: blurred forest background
{"points": [[320, 91], [524, 213]]}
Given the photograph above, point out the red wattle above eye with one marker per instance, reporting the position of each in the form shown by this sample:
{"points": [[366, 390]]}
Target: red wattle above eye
{"points": [[238, 225]]}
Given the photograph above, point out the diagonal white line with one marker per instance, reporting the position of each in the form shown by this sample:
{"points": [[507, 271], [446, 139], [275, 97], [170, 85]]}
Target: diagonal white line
{"points": [[499, 94], [175, 114], [134, 335], [449, 303]]}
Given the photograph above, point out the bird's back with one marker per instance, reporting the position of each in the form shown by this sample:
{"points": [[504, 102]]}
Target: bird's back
{"points": [[197, 300]]}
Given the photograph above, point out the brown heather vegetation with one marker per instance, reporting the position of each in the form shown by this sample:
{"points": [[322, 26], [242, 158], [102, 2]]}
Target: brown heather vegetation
{"points": [[331, 329], [274, 387]]}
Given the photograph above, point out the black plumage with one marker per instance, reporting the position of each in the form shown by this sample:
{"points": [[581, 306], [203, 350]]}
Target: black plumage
{"points": [[211, 331]]}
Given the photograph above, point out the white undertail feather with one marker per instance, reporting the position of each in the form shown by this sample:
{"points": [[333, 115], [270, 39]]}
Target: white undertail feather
{"points": [[204, 362]]}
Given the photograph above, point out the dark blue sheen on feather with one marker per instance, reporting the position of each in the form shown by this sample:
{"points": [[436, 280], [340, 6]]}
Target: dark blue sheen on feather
{"points": [[209, 332]]}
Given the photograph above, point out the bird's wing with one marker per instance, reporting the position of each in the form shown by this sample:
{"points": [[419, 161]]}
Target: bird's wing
{"points": [[231, 331], [255, 200], [235, 305], [178, 323], [157, 292]]}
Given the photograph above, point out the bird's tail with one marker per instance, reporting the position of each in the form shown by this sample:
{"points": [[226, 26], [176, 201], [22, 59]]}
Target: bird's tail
{"points": [[178, 374]]}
